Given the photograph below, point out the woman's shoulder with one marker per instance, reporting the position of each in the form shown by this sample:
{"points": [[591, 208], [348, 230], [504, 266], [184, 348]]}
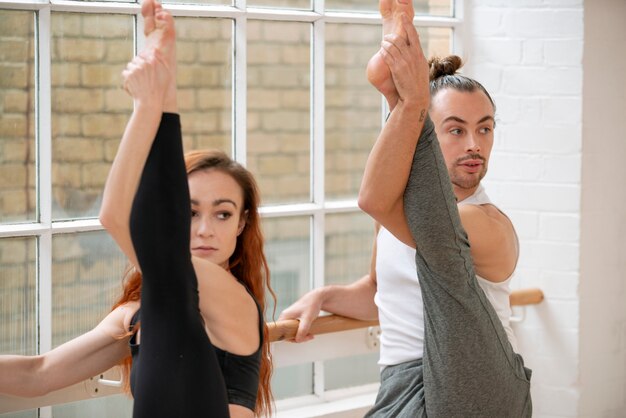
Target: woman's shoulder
{"points": [[117, 322], [230, 312], [125, 312], [216, 278]]}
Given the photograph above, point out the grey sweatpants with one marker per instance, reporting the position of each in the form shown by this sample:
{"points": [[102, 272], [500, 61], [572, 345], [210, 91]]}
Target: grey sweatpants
{"points": [[469, 367]]}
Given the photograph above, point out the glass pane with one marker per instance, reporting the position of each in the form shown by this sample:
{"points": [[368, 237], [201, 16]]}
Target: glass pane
{"points": [[283, 4], [124, 1], [17, 116], [349, 241], [351, 371], [353, 118], [204, 60], [118, 406], [89, 109], [353, 115], [87, 270], [33, 413], [18, 297], [432, 7], [436, 41], [220, 2], [292, 381], [352, 5], [279, 109], [288, 251]]}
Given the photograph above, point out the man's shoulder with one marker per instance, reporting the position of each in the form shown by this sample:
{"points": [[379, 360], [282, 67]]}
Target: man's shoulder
{"points": [[488, 210], [493, 241], [485, 218]]}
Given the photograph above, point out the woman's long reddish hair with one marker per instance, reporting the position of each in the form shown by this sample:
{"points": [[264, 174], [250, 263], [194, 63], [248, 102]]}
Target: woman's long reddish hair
{"points": [[248, 263]]}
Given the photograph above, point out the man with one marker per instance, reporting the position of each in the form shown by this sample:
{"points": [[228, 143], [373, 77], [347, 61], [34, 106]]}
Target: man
{"points": [[453, 357]]}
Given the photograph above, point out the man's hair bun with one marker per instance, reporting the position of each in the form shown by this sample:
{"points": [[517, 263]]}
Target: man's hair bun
{"points": [[440, 67]]}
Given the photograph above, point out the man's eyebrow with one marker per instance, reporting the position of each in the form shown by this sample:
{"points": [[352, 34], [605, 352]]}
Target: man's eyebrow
{"points": [[459, 120], [454, 118], [486, 118]]}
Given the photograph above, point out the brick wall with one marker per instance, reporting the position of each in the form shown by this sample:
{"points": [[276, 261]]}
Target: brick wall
{"points": [[17, 101], [17, 296], [89, 109], [529, 56], [17, 199]]}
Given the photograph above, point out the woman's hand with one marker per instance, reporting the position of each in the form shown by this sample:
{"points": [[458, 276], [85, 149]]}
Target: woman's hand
{"points": [[147, 77]]}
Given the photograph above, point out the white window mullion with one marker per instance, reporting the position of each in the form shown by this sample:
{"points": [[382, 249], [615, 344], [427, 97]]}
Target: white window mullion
{"points": [[318, 108], [140, 40], [43, 140], [44, 175], [95, 7], [318, 166], [44, 302], [240, 85], [458, 32]]}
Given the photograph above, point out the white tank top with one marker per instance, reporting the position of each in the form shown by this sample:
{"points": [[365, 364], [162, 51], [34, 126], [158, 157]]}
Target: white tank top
{"points": [[399, 297]]}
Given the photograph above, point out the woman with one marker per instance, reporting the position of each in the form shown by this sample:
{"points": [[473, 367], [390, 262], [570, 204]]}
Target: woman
{"points": [[246, 262], [192, 307]]}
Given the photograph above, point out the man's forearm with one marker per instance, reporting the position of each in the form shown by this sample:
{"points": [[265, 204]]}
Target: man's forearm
{"points": [[355, 300]]}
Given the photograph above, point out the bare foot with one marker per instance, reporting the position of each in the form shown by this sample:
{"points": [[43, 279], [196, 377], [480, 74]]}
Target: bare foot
{"points": [[378, 73], [161, 35]]}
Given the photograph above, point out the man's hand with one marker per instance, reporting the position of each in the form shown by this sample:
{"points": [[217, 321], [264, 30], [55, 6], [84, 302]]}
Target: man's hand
{"points": [[408, 65], [306, 310]]}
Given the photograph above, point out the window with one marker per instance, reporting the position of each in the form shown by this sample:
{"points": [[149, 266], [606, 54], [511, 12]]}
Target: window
{"points": [[278, 84]]}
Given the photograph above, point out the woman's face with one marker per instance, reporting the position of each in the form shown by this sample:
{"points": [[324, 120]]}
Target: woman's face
{"points": [[216, 206]]}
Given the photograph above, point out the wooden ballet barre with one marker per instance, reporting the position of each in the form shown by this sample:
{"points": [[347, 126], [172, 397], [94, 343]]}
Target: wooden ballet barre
{"points": [[523, 297], [286, 330]]}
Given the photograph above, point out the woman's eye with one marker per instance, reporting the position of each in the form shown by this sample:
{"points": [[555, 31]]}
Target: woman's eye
{"points": [[224, 215], [194, 213], [485, 130], [455, 131]]}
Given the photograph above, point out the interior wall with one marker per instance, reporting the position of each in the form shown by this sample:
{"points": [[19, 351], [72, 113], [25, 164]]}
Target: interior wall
{"points": [[603, 221]]}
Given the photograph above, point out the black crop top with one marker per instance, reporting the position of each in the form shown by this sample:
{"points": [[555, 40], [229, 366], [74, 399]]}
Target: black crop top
{"points": [[241, 373]]}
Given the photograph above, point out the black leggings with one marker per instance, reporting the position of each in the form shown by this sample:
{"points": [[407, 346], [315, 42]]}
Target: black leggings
{"points": [[178, 375]]}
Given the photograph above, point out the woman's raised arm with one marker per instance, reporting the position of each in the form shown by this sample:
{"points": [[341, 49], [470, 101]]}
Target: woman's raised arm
{"points": [[147, 78]]}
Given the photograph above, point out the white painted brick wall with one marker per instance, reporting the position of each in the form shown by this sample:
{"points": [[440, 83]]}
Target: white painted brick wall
{"points": [[532, 51], [531, 136], [559, 227], [543, 22], [566, 110], [528, 54]]}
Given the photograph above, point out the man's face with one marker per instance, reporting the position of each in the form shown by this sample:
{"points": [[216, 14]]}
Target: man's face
{"points": [[464, 123]]}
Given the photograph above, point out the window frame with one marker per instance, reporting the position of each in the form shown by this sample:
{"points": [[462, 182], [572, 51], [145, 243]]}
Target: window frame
{"points": [[43, 228]]}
